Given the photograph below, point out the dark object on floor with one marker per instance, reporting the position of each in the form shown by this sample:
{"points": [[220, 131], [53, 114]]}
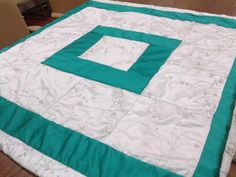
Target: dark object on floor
{"points": [[38, 16], [25, 5]]}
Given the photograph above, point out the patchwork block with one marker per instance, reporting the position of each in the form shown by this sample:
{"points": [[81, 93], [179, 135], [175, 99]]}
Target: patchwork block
{"points": [[138, 75]]}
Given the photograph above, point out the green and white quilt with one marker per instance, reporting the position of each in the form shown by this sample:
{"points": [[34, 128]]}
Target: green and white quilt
{"points": [[115, 89]]}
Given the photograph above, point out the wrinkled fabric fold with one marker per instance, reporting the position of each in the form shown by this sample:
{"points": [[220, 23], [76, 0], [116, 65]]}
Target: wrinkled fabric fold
{"points": [[71, 148]]}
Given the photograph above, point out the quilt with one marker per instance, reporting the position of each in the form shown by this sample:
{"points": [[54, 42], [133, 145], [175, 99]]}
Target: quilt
{"points": [[114, 89]]}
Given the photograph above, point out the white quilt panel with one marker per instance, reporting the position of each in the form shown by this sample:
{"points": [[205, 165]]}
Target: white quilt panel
{"points": [[166, 126]]}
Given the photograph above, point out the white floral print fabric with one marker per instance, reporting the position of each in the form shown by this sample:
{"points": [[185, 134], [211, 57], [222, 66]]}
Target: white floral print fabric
{"points": [[167, 125]]}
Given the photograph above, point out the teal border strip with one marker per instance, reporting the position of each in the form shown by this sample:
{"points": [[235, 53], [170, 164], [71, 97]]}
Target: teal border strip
{"points": [[138, 75], [211, 158], [85, 155]]}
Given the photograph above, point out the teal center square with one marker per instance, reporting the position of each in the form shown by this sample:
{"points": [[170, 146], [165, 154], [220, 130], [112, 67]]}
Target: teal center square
{"points": [[138, 75]]}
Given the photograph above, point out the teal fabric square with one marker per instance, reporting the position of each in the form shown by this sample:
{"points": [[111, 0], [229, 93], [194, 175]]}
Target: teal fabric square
{"points": [[138, 75]]}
